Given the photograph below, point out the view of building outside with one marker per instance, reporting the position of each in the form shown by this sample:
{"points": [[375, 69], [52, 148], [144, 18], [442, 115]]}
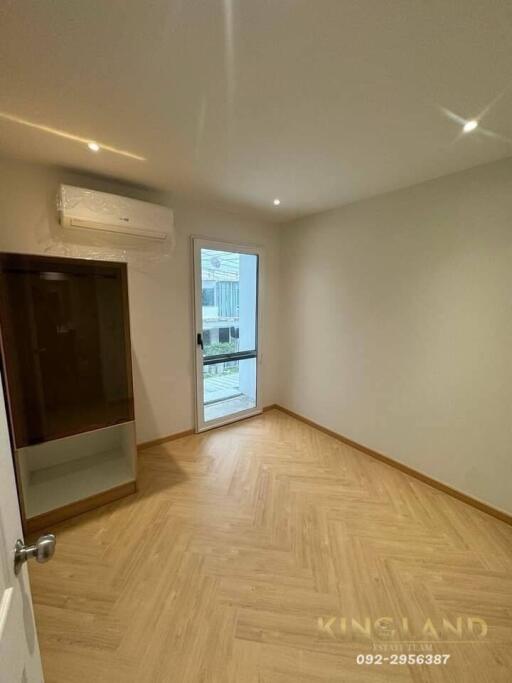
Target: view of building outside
{"points": [[229, 303], [220, 299]]}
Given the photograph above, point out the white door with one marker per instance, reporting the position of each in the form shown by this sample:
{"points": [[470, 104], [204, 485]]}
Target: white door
{"points": [[227, 326], [19, 651]]}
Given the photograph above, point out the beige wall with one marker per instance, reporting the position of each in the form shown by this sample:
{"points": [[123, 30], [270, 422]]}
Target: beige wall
{"points": [[160, 287], [397, 313]]}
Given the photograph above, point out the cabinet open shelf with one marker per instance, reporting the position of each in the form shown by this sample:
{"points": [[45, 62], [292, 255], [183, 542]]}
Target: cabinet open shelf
{"points": [[59, 473]]}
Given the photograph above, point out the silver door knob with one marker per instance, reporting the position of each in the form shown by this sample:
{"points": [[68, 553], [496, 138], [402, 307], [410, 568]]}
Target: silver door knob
{"points": [[42, 551]]}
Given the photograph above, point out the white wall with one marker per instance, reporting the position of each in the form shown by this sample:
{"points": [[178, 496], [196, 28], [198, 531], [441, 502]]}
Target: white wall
{"points": [[397, 313], [160, 289]]}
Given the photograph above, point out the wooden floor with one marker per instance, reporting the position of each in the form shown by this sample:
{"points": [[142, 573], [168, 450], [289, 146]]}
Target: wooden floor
{"points": [[238, 542]]}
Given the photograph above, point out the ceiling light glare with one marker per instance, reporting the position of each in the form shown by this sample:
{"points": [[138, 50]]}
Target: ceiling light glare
{"points": [[277, 202], [469, 126], [93, 146]]}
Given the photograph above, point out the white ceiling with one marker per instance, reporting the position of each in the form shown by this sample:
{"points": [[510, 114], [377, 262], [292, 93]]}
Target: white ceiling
{"points": [[317, 102]]}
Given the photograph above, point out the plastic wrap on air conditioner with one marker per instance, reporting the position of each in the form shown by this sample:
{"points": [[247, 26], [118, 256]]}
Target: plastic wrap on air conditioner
{"points": [[77, 242]]}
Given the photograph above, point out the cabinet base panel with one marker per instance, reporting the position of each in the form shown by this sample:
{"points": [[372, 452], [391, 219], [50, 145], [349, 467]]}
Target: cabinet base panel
{"points": [[47, 519]]}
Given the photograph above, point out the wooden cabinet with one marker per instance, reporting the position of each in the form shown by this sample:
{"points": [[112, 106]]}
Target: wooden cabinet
{"points": [[66, 360]]}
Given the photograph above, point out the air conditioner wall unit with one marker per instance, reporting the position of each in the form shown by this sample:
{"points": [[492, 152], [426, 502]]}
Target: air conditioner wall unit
{"points": [[83, 208]]}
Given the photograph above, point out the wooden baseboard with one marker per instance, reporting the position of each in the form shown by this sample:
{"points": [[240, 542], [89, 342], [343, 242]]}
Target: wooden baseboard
{"points": [[464, 497], [178, 435], [48, 519], [164, 439]]}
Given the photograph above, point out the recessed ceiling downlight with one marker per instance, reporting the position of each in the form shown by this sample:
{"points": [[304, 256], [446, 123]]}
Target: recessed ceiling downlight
{"points": [[469, 126], [93, 146], [277, 202]]}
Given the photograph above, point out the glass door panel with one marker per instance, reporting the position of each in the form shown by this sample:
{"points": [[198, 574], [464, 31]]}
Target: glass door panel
{"points": [[226, 290], [229, 387]]}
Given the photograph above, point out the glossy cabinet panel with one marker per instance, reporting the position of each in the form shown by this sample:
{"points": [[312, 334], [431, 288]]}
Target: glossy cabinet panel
{"points": [[65, 345]]}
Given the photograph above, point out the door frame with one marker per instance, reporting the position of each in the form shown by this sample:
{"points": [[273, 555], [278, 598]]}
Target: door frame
{"points": [[198, 243]]}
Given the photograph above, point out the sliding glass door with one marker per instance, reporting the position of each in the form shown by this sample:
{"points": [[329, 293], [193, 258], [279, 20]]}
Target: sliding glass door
{"points": [[226, 332]]}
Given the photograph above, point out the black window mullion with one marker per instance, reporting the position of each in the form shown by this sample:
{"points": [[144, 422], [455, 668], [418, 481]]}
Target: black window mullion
{"points": [[224, 357]]}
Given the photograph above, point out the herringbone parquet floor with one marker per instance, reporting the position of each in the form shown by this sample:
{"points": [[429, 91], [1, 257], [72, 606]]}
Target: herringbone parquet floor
{"points": [[238, 542]]}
